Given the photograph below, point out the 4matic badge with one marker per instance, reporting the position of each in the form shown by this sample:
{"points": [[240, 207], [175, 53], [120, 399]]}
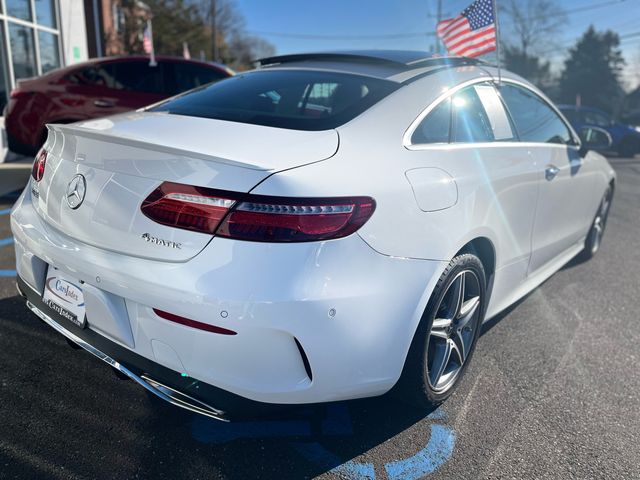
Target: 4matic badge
{"points": [[159, 241]]}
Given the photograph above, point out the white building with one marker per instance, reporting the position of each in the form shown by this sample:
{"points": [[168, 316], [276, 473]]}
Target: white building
{"points": [[37, 36]]}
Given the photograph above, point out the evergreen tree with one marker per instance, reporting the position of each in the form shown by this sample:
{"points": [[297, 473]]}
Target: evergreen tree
{"points": [[528, 66], [593, 70]]}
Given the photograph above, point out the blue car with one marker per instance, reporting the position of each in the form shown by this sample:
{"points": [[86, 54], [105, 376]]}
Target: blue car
{"points": [[625, 139]]}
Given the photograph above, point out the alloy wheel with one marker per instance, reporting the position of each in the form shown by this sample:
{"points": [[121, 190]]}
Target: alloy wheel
{"points": [[453, 331]]}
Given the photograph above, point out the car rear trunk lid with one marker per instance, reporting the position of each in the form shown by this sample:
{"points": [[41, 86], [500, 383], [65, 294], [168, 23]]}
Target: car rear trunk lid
{"points": [[124, 158]]}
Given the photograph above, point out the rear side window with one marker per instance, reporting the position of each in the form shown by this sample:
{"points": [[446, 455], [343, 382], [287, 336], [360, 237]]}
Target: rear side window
{"points": [[474, 114], [436, 127], [137, 76], [534, 119], [293, 99], [96, 76], [128, 76]]}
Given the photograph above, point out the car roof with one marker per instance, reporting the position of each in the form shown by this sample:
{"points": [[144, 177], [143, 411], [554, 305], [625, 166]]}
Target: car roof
{"points": [[395, 65], [406, 59]]}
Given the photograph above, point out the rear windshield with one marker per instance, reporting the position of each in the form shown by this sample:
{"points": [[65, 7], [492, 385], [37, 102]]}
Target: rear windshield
{"points": [[293, 99]]}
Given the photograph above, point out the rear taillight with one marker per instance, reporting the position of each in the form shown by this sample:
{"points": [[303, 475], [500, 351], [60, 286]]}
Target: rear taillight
{"points": [[17, 93], [256, 217], [183, 206], [292, 220], [37, 172]]}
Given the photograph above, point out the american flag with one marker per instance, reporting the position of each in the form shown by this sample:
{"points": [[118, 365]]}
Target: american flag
{"points": [[471, 33], [147, 40]]}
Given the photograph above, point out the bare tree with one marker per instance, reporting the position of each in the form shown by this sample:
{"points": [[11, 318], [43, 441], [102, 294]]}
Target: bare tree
{"points": [[532, 26], [194, 22], [232, 44], [245, 49]]}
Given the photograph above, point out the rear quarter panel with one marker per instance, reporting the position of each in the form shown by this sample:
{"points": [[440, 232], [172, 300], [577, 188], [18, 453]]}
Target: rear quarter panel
{"points": [[372, 161]]}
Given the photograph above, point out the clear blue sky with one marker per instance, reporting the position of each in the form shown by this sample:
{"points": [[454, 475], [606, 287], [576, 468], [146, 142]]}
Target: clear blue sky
{"points": [[303, 25]]}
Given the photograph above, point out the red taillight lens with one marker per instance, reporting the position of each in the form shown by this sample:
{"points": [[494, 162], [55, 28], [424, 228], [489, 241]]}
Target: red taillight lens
{"points": [[183, 206], [256, 217], [291, 220], [18, 92], [37, 172]]}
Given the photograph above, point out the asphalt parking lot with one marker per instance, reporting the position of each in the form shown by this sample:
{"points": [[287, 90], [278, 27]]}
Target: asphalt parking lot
{"points": [[553, 392]]}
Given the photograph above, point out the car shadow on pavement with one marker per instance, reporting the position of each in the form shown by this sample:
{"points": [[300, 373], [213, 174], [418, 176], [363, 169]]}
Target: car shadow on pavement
{"points": [[64, 411]]}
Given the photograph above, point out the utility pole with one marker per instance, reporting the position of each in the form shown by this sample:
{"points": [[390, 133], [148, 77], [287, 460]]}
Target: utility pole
{"points": [[214, 30]]}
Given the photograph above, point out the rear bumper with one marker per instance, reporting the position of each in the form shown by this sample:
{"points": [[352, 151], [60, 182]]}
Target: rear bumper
{"points": [[165, 383], [349, 310]]}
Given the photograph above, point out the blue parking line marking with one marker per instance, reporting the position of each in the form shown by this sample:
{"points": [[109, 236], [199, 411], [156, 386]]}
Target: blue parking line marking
{"points": [[316, 453], [427, 460], [6, 211], [438, 414], [6, 241], [7, 273], [337, 422]]}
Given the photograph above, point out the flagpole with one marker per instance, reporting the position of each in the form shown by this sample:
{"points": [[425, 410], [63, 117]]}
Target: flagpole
{"points": [[152, 54], [495, 12]]}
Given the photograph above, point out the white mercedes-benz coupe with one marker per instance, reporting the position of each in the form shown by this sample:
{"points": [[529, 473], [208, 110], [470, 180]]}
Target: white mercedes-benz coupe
{"points": [[326, 227]]}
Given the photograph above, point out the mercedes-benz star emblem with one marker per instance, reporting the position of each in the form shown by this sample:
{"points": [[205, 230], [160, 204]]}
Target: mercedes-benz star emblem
{"points": [[76, 190]]}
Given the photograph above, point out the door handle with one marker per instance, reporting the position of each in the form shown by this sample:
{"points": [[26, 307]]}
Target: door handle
{"points": [[550, 172], [104, 103]]}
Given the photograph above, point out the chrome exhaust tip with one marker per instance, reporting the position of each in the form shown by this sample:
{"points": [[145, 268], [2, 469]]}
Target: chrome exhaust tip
{"points": [[166, 393], [183, 400]]}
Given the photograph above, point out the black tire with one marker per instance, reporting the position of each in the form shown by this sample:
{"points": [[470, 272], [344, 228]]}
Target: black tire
{"points": [[628, 147], [414, 386], [598, 226]]}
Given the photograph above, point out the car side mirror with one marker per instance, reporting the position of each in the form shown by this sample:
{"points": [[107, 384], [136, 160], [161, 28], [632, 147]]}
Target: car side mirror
{"points": [[594, 138]]}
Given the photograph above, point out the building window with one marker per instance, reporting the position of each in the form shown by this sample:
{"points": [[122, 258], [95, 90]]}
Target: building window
{"points": [[23, 51], [4, 77], [49, 52], [20, 9], [29, 41], [46, 13]]}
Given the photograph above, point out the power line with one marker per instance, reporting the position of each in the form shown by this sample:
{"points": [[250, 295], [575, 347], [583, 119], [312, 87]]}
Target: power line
{"points": [[307, 36], [595, 6], [629, 35]]}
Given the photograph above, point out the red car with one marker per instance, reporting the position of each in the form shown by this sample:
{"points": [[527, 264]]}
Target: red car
{"points": [[97, 88]]}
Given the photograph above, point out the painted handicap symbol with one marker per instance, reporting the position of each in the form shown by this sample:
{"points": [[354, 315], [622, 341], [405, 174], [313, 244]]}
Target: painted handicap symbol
{"points": [[337, 422], [5, 242]]}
